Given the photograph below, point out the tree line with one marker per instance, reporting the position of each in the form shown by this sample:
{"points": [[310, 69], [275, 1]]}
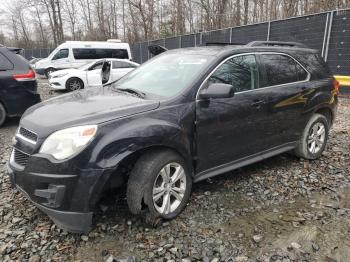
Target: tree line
{"points": [[47, 23]]}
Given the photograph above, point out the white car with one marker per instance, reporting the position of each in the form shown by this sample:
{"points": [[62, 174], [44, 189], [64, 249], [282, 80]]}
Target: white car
{"points": [[89, 75]]}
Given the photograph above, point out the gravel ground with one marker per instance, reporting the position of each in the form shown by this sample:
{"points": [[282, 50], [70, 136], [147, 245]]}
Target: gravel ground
{"points": [[281, 209]]}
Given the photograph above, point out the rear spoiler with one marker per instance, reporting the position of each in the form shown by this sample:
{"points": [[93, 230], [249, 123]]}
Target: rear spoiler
{"points": [[156, 49]]}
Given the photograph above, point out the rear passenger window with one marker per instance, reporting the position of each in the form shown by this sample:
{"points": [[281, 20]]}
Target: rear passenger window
{"points": [[240, 72], [282, 69], [99, 53], [122, 64], [5, 64]]}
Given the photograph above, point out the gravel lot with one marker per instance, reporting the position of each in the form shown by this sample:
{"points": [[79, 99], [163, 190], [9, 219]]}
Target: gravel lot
{"points": [[281, 209]]}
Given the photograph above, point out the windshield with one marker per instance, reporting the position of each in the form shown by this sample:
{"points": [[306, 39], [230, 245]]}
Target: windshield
{"points": [[166, 75], [86, 66]]}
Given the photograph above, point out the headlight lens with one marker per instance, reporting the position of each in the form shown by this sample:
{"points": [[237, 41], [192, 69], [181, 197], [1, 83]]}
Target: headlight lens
{"points": [[67, 142], [60, 75]]}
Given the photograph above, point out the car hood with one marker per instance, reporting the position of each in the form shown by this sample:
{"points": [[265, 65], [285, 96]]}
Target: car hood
{"points": [[63, 71], [88, 106]]}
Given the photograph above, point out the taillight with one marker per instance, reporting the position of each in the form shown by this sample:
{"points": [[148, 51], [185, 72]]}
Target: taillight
{"points": [[336, 86], [29, 76]]}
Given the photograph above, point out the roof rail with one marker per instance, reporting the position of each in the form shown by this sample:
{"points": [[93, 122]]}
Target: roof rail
{"points": [[221, 43], [276, 43]]}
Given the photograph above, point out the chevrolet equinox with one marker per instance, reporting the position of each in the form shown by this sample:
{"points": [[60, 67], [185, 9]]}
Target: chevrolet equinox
{"points": [[184, 116]]}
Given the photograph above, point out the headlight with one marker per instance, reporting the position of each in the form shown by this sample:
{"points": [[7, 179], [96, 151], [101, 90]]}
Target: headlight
{"points": [[60, 75], [67, 142]]}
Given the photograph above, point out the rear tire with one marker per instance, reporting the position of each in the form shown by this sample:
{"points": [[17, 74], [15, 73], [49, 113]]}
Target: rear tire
{"points": [[48, 71], [314, 138], [2, 114], [74, 84], [159, 186]]}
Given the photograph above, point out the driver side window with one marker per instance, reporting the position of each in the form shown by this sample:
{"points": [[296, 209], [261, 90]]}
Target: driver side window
{"points": [[63, 53], [240, 71]]}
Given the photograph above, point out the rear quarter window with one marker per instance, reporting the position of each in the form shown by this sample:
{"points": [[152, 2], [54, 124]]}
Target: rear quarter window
{"points": [[5, 63], [316, 66]]}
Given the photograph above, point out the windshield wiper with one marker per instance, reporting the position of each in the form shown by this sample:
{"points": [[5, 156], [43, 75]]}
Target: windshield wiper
{"points": [[111, 83], [132, 91]]}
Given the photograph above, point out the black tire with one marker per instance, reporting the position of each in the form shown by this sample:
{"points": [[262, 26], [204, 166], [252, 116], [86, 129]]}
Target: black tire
{"points": [[304, 148], [2, 114], [143, 179], [74, 84], [48, 71]]}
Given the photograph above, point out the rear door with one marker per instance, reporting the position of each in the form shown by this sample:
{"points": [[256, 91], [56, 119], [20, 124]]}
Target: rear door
{"points": [[6, 79], [120, 68], [286, 86]]}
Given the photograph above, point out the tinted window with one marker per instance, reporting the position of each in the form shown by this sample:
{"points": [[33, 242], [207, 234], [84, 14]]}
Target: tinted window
{"points": [[98, 65], [281, 69], [98, 53], [240, 72], [63, 53], [315, 65], [5, 64], [122, 64]]}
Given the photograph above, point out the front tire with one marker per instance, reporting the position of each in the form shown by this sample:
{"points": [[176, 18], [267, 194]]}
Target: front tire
{"points": [[74, 84], [159, 186], [48, 71], [314, 138], [2, 114]]}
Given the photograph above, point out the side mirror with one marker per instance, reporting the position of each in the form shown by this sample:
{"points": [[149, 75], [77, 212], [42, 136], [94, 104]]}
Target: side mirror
{"points": [[105, 72], [217, 90]]}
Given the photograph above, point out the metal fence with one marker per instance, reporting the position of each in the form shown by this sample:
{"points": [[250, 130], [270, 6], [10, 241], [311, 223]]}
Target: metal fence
{"points": [[37, 53], [328, 32]]}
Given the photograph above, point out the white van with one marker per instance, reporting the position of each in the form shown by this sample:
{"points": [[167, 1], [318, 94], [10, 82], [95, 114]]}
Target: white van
{"points": [[74, 54]]}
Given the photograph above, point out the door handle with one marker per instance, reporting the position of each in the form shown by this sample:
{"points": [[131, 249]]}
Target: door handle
{"points": [[257, 103]]}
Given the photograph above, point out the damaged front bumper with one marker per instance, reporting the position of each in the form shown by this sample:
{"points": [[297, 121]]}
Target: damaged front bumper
{"points": [[67, 199]]}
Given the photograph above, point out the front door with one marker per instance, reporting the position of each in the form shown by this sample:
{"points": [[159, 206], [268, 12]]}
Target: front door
{"points": [[232, 128], [93, 74], [61, 59]]}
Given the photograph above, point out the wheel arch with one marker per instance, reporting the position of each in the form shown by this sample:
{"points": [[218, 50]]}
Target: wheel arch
{"points": [[327, 112], [119, 174]]}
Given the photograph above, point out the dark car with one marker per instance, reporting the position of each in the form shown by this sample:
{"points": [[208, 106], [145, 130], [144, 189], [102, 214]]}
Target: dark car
{"points": [[18, 86], [184, 116]]}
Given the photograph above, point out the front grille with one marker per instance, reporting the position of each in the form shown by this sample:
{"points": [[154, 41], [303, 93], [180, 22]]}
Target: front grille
{"points": [[20, 157], [28, 134]]}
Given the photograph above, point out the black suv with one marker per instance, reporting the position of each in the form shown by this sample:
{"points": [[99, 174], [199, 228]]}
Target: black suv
{"points": [[184, 116], [18, 87]]}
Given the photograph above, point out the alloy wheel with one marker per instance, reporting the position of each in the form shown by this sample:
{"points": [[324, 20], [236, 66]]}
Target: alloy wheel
{"points": [[169, 188], [74, 85], [316, 138]]}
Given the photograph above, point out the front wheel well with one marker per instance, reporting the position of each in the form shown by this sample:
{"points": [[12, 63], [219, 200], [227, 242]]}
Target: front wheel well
{"points": [[325, 111], [120, 175]]}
